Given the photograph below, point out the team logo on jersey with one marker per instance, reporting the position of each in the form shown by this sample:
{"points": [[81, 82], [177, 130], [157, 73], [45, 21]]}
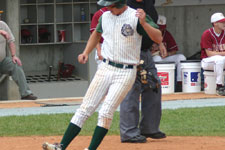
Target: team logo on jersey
{"points": [[127, 30]]}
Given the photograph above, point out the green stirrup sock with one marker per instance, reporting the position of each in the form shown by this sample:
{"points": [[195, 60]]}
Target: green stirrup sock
{"points": [[97, 138], [71, 132]]}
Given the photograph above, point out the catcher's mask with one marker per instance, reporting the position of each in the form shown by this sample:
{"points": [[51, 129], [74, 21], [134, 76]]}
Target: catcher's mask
{"points": [[118, 3]]}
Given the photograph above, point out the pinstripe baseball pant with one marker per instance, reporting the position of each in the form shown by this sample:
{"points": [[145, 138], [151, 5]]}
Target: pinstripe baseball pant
{"points": [[111, 84]]}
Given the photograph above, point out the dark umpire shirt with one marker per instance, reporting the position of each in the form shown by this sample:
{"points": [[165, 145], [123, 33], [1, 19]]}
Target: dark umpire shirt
{"points": [[149, 8]]}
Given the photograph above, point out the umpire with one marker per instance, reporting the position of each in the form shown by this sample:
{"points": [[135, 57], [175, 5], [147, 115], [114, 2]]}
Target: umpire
{"points": [[131, 131]]}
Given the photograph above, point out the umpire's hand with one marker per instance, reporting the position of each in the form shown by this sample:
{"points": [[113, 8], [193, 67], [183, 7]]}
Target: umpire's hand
{"points": [[83, 58]]}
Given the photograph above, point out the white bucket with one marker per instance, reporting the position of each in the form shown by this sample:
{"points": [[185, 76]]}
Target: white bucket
{"points": [[209, 82], [165, 71], [191, 76]]}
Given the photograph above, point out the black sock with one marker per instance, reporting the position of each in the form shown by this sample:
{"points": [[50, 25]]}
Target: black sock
{"points": [[71, 132], [97, 137], [219, 85]]}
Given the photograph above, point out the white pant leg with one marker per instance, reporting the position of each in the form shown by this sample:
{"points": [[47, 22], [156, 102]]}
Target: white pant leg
{"points": [[157, 58], [121, 84], [177, 58], [94, 95], [215, 63], [107, 80]]}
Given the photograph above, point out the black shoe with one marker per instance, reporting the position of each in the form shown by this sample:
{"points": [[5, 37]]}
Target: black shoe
{"points": [[136, 139], [29, 97], [220, 91], [178, 87], [157, 135]]}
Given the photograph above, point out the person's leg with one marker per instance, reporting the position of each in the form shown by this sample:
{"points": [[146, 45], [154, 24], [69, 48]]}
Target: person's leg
{"points": [[176, 58], [97, 137], [151, 114], [8, 67], [215, 63], [94, 95], [122, 82], [71, 132], [129, 112], [218, 69], [150, 104], [157, 58]]}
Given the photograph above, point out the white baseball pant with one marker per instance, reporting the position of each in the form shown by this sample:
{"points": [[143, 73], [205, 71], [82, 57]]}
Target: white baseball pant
{"points": [[111, 84], [215, 63]]}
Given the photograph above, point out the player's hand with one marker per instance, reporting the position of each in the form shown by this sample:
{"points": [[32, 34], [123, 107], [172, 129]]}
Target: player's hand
{"points": [[4, 34], [140, 13], [99, 55], [163, 51], [16, 60], [83, 58]]}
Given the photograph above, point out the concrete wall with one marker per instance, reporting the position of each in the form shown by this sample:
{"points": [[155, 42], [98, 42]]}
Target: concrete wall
{"points": [[187, 23], [12, 18], [70, 55], [39, 58], [3, 7]]}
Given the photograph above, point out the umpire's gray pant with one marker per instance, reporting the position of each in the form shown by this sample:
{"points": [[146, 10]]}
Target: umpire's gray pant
{"points": [[8, 67], [130, 124]]}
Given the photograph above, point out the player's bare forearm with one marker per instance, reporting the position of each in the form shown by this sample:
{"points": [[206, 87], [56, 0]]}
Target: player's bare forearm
{"points": [[92, 42], [213, 53], [12, 48], [163, 50], [153, 33]]}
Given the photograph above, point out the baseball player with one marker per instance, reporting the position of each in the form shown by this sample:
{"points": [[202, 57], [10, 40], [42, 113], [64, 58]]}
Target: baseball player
{"points": [[213, 50], [122, 28], [94, 22], [133, 128], [171, 48]]}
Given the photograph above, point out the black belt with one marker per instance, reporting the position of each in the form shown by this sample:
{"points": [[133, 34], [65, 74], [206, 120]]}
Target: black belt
{"points": [[118, 65]]}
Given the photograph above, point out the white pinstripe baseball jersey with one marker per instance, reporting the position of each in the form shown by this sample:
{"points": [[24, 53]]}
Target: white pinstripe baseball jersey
{"points": [[124, 45]]}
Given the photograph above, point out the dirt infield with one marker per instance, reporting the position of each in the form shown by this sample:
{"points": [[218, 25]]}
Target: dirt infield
{"points": [[113, 143]]}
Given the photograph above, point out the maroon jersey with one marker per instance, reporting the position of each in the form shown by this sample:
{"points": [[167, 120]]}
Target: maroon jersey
{"points": [[212, 42], [169, 41], [94, 21]]}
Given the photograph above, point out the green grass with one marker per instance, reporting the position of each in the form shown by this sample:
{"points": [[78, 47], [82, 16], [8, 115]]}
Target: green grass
{"points": [[208, 121]]}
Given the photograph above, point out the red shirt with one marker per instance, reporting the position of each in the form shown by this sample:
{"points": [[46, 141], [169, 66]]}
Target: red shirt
{"points": [[212, 42], [169, 41], [94, 21]]}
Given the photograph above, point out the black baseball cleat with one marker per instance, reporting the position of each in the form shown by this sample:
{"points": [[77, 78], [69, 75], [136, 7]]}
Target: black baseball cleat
{"points": [[220, 91], [136, 139], [29, 97], [157, 135]]}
